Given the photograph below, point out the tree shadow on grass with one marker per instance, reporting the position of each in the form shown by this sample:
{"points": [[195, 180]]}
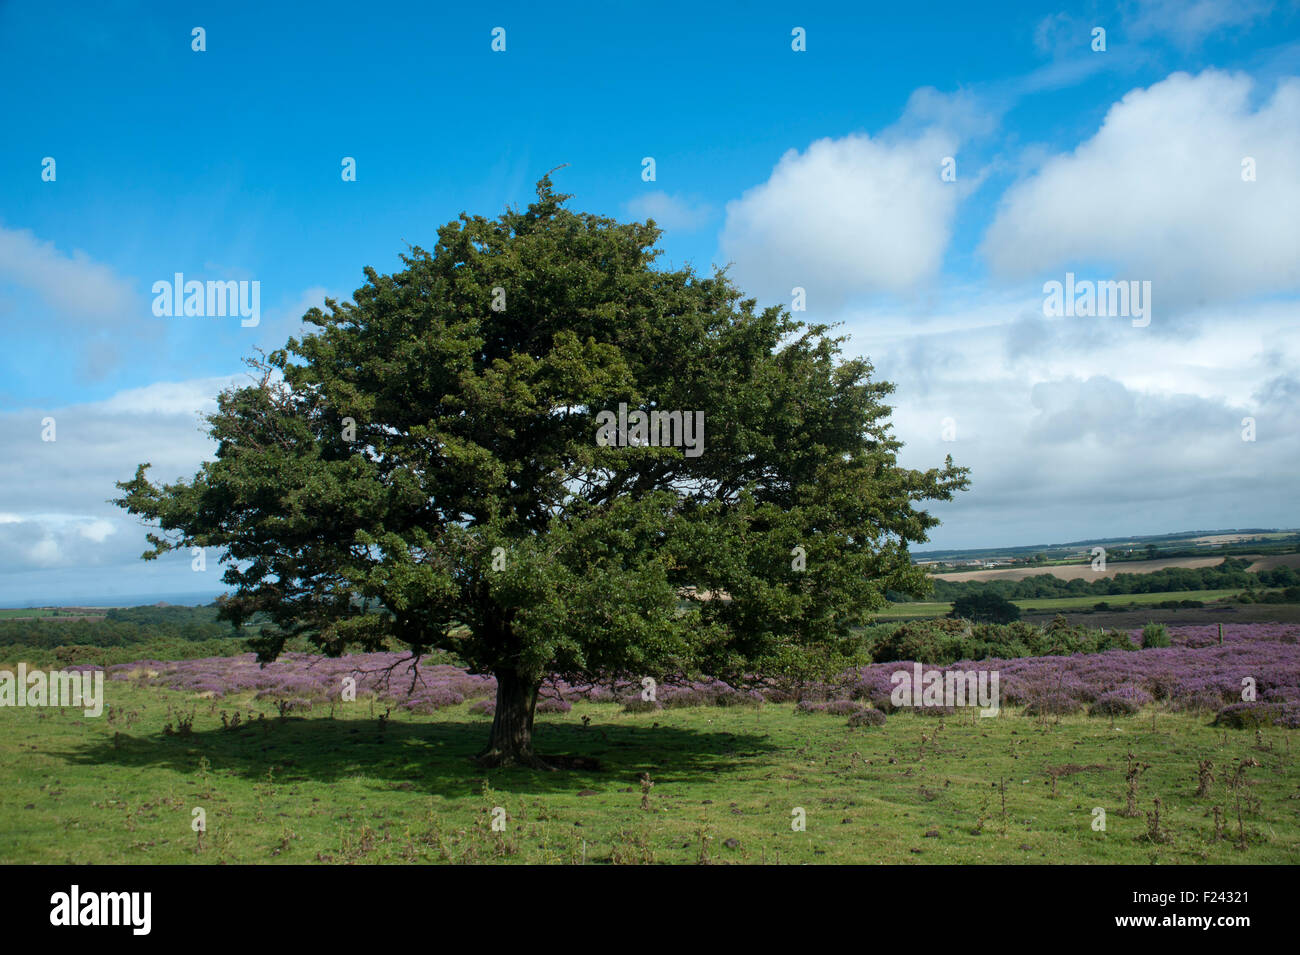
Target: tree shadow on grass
{"points": [[431, 757]]}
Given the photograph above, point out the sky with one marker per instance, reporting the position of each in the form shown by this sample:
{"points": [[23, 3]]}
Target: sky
{"points": [[921, 172]]}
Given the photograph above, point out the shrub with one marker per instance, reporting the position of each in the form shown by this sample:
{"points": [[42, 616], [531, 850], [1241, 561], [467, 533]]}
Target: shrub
{"points": [[1053, 703], [940, 642], [1003, 640], [550, 704], [1243, 716], [925, 641], [1124, 701], [486, 707], [430, 699], [932, 710], [693, 696], [832, 708], [867, 718], [738, 698], [1118, 640], [911, 637], [638, 705], [1154, 635], [1198, 701]]}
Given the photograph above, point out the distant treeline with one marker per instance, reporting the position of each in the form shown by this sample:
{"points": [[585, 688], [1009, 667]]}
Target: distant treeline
{"points": [[128, 634], [119, 628], [1231, 574]]}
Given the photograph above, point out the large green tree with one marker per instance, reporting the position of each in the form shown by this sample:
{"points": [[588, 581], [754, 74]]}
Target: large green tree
{"points": [[425, 469]]}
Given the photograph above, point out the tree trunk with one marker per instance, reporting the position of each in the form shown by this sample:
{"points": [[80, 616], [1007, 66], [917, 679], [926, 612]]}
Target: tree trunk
{"points": [[511, 743]]}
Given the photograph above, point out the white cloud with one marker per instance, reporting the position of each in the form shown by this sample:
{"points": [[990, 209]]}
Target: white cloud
{"points": [[97, 530], [1188, 22], [669, 211], [847, 217], [1077, 428], [94, 314], [74, 285], [168, 397], [1158, 194], [44, 553], [57, 511]]}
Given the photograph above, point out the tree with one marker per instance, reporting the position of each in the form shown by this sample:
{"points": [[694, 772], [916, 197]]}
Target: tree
{"points": [[985, 607], [424, 469]]}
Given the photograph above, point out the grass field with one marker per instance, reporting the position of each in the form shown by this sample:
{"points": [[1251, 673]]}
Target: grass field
{"points": [[51, 613], [1084, 571], [1048, 604], [937, 608], [1273, 562], [919, 608], [920, 789]]}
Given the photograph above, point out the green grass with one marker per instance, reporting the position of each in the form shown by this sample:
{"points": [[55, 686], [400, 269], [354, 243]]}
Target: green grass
{"points": [[938, 608], [1121, 600], [919, 790], [9, 614], [919, 608]]}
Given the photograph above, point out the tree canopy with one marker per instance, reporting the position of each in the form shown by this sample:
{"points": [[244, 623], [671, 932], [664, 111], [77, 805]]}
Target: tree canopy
{"points": [[985, 607], [424, 467]]}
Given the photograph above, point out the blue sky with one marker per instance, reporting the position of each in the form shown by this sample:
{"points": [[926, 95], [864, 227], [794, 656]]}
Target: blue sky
{"points": [[817, 168]]}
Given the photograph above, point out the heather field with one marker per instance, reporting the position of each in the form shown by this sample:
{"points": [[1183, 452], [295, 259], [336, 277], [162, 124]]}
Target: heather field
{"points": [[288, 768]]}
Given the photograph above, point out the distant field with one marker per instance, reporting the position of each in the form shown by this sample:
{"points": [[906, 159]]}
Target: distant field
{"points": [[922, 608], [1120, 600], [937, 608], [1274, 561], [1211, 613], [54, 614], [1085, 571], [1216, 539]]}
